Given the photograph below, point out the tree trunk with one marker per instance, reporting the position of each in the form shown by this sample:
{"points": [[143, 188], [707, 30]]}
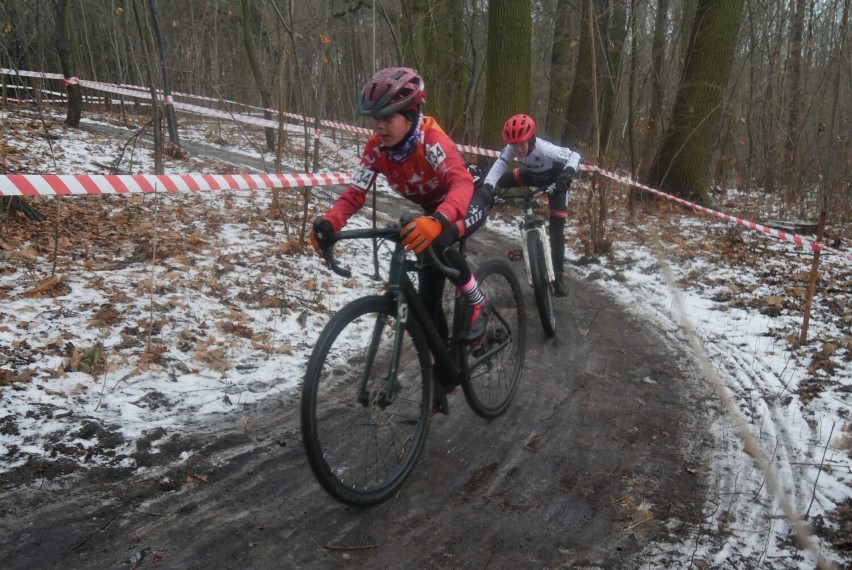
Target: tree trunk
{"points": [[171, 119], [794, 95], [64, 32], [609, 75], [155, 108], [560, 70], [578, 115], [257, 73], [658, 65], [683, 161], [324, 67], [508, 66], [632, 104], [435, 45]]}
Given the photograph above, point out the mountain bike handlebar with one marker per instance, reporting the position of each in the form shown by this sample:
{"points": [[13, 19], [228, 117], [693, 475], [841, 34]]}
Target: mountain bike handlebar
{"points": [[389, 233], [501, 197]]}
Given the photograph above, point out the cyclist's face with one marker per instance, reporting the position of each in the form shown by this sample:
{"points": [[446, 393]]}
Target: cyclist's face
{"points": [[521, 148], [391, 129]]}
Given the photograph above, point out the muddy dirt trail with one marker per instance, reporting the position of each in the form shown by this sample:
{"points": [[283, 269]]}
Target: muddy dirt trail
{"points": [[585, 468], [594, 458]]}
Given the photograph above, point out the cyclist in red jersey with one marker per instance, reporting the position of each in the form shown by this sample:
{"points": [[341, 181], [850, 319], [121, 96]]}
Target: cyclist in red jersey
{"points": [[422, 164]]}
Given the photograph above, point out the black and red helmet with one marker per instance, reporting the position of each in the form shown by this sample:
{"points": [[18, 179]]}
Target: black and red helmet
{"points": [[518, 129], [391, 90]]}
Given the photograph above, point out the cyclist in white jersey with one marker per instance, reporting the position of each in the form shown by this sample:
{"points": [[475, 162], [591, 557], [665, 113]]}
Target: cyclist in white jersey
{"points": [[542, 163]]}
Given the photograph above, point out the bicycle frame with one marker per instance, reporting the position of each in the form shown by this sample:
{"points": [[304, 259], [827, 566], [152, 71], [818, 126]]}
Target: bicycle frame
{"points": [[532, 224], [401, 288], [408, 302]]}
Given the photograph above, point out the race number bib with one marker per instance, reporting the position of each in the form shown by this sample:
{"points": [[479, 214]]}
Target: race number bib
{"points": [[564, 154], [362, 178], [435, 155]]}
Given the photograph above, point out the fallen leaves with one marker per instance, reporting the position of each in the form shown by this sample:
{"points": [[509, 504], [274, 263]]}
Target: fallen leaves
{"points": [[50, 287]]}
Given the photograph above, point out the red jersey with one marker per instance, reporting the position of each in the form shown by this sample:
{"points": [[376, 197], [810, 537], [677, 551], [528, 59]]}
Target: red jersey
{"points": [[434, 176]]}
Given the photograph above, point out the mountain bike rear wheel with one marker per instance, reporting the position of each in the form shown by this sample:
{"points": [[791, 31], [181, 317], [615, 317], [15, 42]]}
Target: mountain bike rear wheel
{"points": [[362, 436], [496, 363], [541, 288]]}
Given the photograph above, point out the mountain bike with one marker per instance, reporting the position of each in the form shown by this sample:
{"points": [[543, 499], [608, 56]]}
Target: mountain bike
{"points": [[535, 251], [367, 392]]}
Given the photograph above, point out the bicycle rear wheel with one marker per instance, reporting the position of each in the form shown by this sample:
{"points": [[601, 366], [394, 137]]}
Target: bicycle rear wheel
{"points": [[361, 436], [541, 288], [494, 366]]}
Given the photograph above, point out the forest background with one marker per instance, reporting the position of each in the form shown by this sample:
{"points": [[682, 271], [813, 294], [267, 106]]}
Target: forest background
{"points": [[685, 95], [690, 96]]}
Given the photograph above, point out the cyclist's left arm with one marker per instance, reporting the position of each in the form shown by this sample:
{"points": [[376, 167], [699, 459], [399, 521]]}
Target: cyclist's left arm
{"points": [[452, 174], [561, 154]]}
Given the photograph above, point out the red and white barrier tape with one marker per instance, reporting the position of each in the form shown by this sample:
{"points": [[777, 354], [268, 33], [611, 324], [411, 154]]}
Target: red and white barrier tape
{"points": [[138, 92], [90, 184], [792, 238]]}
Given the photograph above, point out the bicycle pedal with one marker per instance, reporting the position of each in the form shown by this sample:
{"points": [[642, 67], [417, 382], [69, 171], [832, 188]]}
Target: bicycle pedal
{"points": [[516, 254]]}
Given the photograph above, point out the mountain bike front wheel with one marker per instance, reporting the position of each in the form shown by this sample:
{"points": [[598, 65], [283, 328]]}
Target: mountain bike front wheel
{"points": [[363, 426], [541, 288], [494, 366]]}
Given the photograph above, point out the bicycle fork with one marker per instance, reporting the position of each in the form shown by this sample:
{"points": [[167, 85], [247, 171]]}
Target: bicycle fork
{"points": [[404, 310], [386, 396], [545, 244]]}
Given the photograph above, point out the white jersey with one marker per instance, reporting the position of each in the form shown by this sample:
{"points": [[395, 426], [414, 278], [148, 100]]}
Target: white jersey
{"points": [[541, 159]]}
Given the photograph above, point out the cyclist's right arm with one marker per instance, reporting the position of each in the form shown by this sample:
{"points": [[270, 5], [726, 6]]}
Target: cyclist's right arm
{"points": [[356, 193], [500, 166]]}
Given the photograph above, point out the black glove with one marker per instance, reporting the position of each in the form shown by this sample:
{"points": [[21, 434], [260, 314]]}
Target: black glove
{"points": [[490, 196], [563, 181], [322, 235]]}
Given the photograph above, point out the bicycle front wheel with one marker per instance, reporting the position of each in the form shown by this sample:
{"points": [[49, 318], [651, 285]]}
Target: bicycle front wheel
{"points": [[541, 288], [496, 363], [364, 426]]}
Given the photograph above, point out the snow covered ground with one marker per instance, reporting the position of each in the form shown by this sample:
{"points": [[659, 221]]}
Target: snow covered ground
{"points": [[143, 312]]}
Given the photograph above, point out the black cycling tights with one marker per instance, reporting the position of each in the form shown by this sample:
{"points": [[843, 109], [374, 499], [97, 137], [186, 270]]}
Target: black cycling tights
{"points": [[431, 280]]}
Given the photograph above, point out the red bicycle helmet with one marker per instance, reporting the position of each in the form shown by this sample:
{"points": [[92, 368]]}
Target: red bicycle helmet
{"points": [[518, 129], [391, 90]]}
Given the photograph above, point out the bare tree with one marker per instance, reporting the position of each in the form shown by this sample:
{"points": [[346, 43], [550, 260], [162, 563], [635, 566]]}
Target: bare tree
{"points": [[655, 117], [507, 65], [683, 160], [794, 90], [265, 94], [561, 64], [171, 119], [64, 32], [434, 43]]}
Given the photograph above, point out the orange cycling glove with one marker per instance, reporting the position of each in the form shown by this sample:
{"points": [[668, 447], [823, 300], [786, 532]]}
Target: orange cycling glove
{"points": [[321, 235], [417, 235]]}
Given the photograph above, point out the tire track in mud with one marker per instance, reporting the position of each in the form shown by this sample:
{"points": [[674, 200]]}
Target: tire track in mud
{"points": [[742, 522]]}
